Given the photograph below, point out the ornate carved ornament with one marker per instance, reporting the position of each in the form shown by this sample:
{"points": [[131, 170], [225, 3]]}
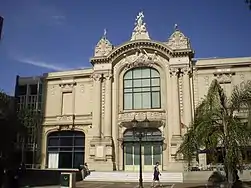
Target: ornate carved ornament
{"points": [[131, 46], [96, 76], [140, 59], [104, 47], [65, 118], [140, 116], [178, 41], [140, 31], [224, 78]]}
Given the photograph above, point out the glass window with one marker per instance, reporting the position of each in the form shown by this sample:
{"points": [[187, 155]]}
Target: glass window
{"points": [[33, 89], [157, 153], [142, 89], [148, 154], [136, 155], [70, 146], [22, 90], [129, 155]]}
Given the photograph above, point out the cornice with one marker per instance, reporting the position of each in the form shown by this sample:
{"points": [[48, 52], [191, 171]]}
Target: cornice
{"points": [[150, 44]]}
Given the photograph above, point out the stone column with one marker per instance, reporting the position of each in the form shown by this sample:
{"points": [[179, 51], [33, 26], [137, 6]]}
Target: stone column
{"points": [[176, 131], [187, 103], [96, 114], [108, 106]]}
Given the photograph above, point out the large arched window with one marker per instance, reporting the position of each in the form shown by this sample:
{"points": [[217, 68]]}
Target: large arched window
{"points": [[142, 89]]}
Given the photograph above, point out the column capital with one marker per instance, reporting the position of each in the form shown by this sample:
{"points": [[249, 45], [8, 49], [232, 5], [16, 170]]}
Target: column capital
{"points": [[96, 76], [174, 71], [108, 76], [186, 71]]}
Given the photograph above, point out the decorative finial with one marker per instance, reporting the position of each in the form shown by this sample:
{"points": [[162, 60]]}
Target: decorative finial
{"points": [[176, 27], [105, 32]]}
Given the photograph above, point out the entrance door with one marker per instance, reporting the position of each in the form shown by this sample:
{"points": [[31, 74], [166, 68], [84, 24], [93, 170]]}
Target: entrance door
{"points": [[151, 153]]}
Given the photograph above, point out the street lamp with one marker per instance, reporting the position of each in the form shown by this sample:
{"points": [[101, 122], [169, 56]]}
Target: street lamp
{"points": [[140, 131]]}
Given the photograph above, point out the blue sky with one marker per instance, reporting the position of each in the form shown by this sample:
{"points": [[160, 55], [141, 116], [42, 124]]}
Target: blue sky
{"points": [[48, 35]]}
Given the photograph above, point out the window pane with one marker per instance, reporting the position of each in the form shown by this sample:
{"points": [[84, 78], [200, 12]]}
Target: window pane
{"points": [[79, 141], [146, 100], [155, 82], [137, 100], [145, 82], [137, 73], [78, 159], [147, 155], [127, 83], [146, 73], [128, 155], [155, 100], [136, 155], [156, 88], [157, 154], [128, 75], [127, 101], [136, 83], [128, 90], [53, 142], [146, 89], [137, 89], [66, 141], [154, 73]]}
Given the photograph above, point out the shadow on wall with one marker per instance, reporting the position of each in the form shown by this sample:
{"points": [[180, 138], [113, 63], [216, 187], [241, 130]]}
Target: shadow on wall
{"points": [[37, 177]]}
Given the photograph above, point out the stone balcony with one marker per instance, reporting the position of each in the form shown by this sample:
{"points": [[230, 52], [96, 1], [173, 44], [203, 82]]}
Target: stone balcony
{"points": [[152, 115]]}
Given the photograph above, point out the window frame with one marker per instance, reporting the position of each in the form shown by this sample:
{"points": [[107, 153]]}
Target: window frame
{"points": [[150, 87]]}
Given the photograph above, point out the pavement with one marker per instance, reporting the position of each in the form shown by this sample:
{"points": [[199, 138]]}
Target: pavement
{"points": [[84, 184], [129, 185]]}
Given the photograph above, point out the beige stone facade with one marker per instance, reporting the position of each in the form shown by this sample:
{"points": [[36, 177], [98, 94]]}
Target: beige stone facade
{"points": [[166, 85]]}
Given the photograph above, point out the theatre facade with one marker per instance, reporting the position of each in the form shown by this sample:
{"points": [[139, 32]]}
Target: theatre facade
{"points": [[88, 113]]}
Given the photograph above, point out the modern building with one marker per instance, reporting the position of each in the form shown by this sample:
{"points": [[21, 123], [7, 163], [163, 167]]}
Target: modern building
{"points": [[29, 95], [88, 112]]}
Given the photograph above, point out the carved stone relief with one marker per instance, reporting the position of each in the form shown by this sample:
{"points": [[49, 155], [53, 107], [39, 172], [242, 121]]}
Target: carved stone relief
{"points": [[103, 100], [96, 76], [104, 46], [178, 40], [82, 87], [67, 86], [174, 71], [180, 82], [224, 78], [128, 116], [141, 58]]}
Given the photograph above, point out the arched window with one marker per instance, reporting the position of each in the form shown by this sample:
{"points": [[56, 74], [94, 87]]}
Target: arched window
{"points": [[142, 89]]}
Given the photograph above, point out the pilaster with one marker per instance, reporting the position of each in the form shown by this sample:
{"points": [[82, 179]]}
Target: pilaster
{"points": [[108, 109], [187, 103]]}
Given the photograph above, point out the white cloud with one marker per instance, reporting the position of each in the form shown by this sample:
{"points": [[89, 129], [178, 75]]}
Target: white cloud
{"points": [[42, 64]]}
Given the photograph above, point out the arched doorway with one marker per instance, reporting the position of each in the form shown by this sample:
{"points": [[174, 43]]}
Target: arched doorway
{"points": [[152, 145], [65, 149]]}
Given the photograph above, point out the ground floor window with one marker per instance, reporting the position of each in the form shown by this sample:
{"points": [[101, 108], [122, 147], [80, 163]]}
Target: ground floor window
{"points": [[66, 149]]}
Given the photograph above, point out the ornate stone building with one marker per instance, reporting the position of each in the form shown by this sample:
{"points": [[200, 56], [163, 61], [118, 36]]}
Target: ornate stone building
{"points": [[88, 112]]}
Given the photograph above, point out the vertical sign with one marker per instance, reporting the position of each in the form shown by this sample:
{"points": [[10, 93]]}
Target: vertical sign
{"points": [[1, 26]]}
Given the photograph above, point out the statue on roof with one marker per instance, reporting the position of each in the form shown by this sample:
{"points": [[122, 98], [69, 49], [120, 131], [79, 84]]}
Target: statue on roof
{"points": [[140, 31]]}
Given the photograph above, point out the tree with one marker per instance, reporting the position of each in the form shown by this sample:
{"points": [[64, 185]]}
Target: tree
{"points": [[249, 3], [9, 125], [216, 124], [31, 121]]}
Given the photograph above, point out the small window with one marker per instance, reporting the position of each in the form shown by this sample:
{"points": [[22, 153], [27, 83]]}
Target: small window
{"points": [[22, 90], [33, 89]]}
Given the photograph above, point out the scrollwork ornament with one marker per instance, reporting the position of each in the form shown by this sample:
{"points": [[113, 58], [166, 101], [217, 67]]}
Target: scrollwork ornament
{"points": [[96, 76], [108, 76], [174, 71]]}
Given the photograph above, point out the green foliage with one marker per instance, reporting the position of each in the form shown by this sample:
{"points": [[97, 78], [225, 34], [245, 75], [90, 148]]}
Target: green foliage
{"points": [[216, 125]]}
